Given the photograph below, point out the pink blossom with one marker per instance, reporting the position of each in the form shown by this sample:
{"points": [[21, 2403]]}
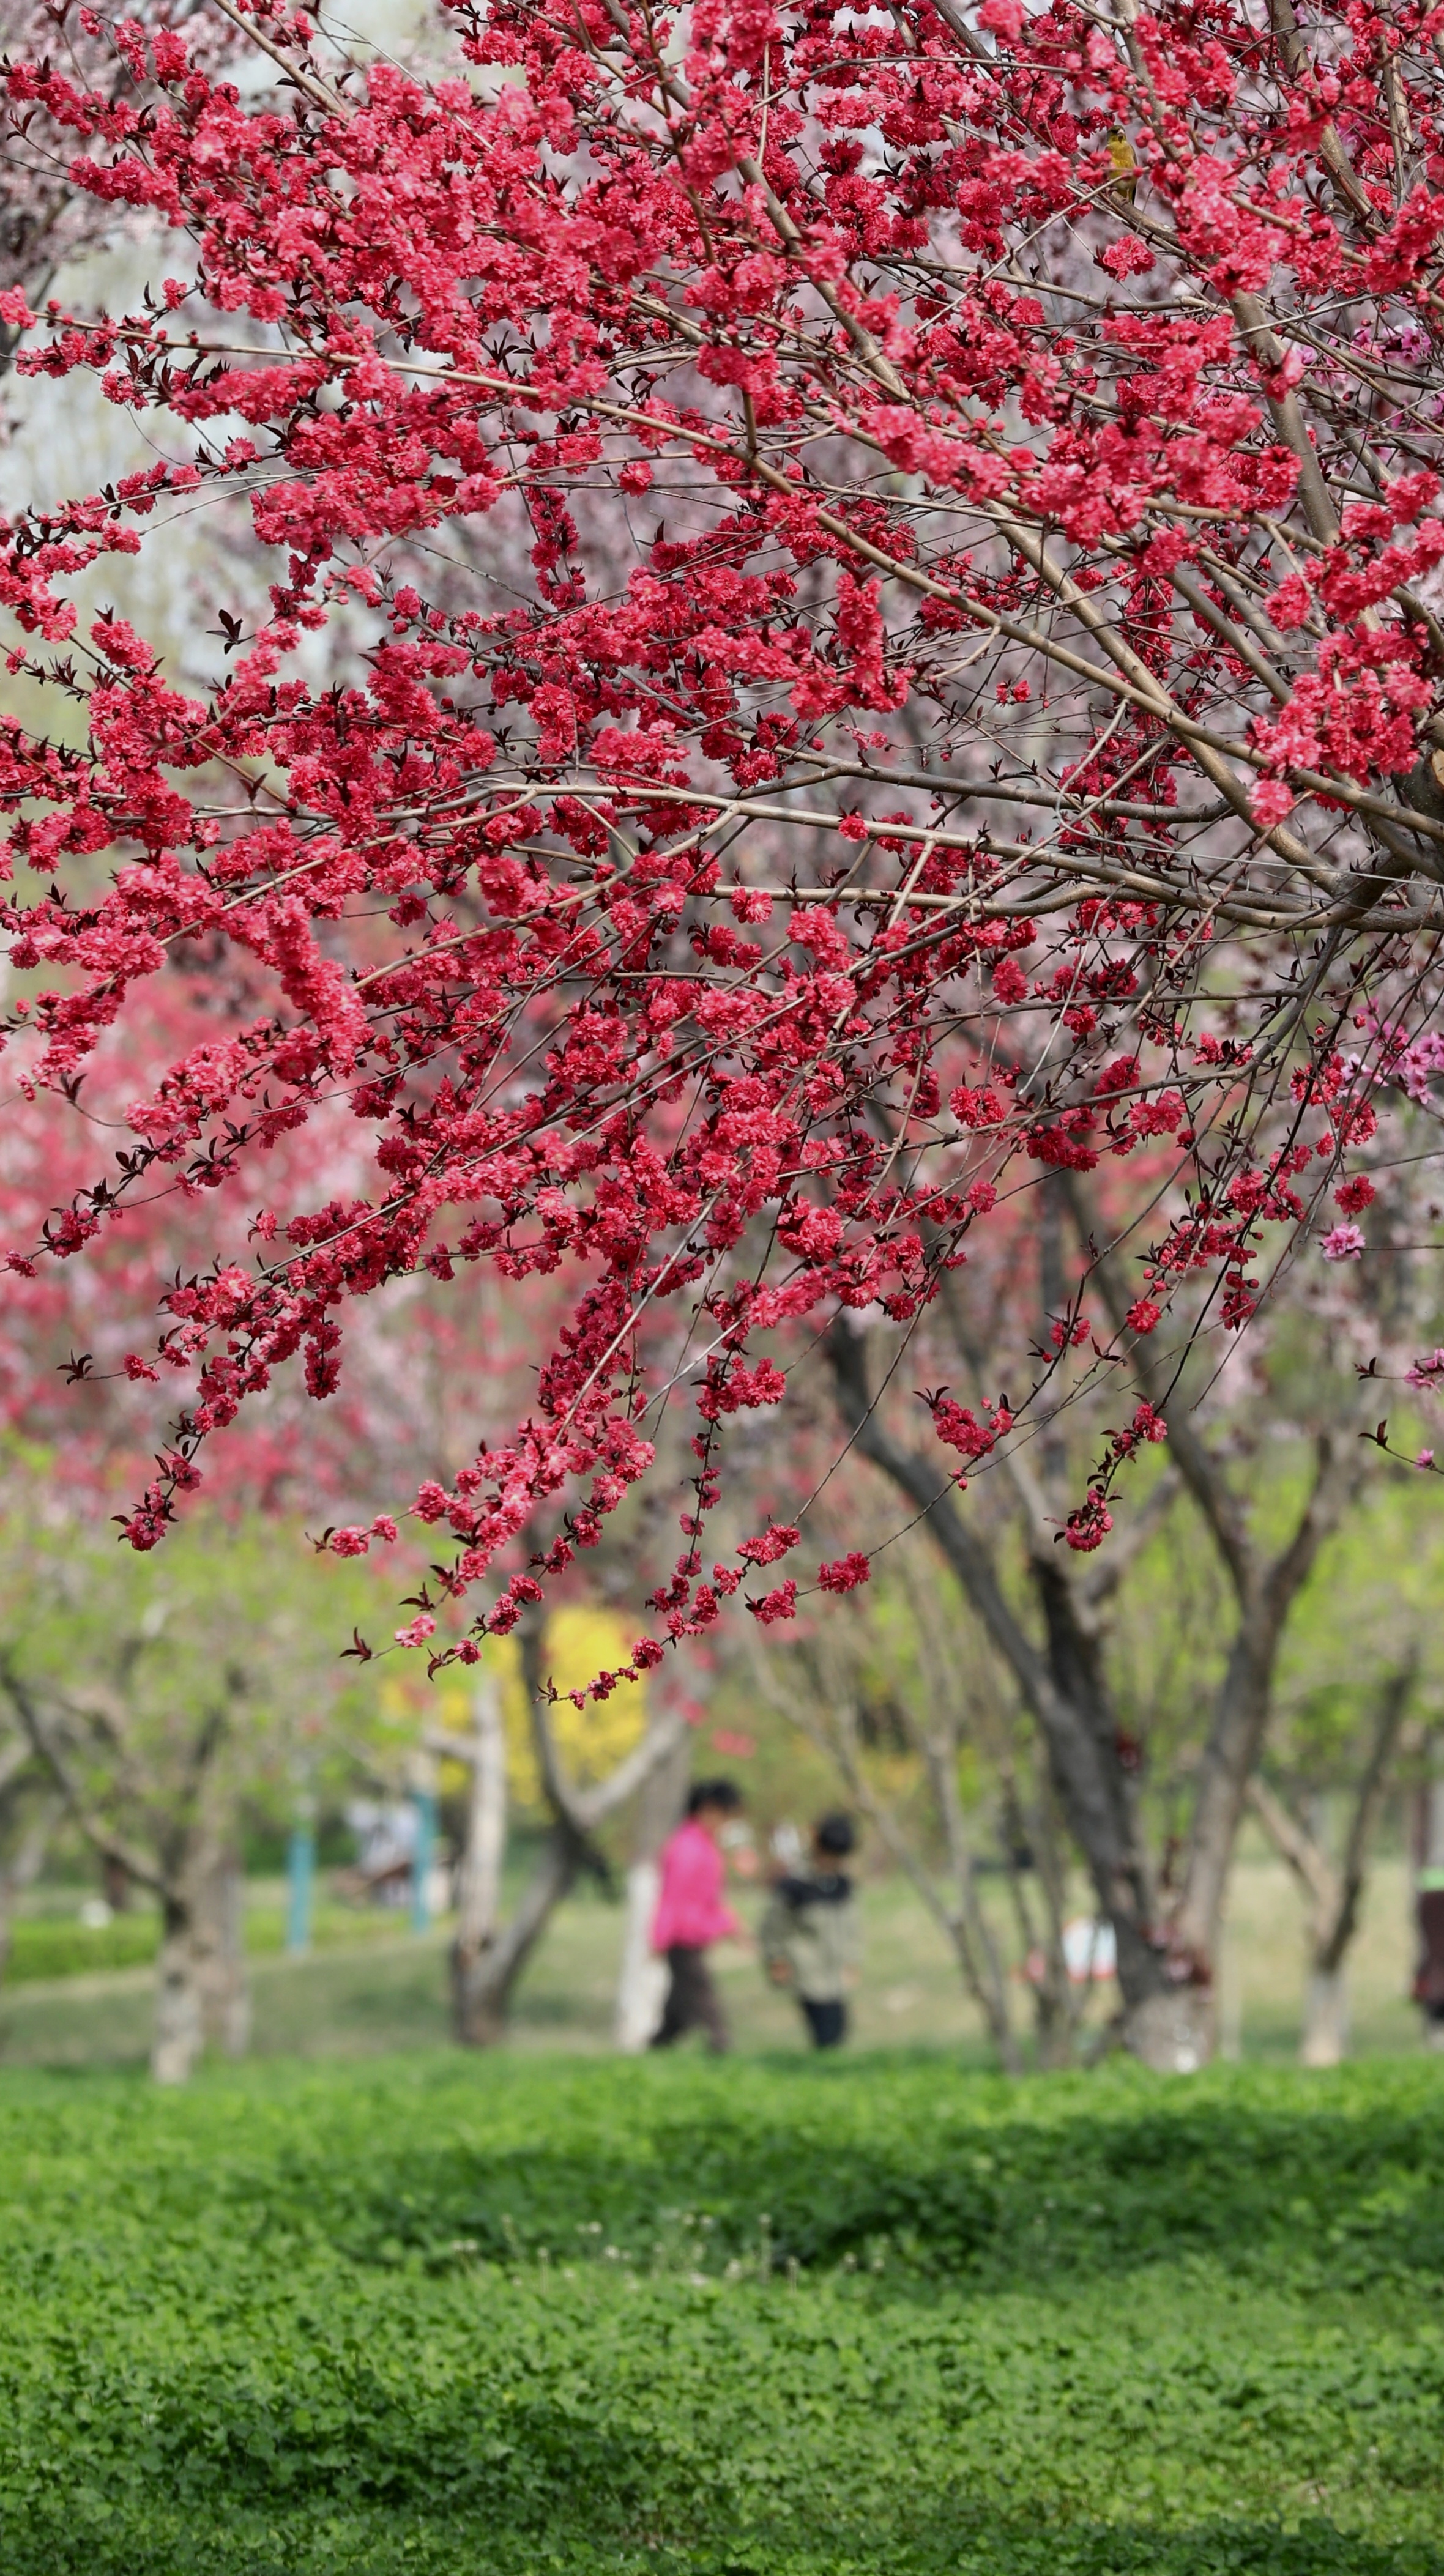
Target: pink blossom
{"points": [[1271, 802], [781, 1604], [844, 1573], [417, 1631]]}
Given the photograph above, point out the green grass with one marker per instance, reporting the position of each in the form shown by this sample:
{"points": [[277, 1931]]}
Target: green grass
{"points": [[53, 1945], [492, 2317]]}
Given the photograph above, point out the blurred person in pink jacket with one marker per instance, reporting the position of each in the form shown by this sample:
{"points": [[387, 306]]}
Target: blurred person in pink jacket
{"points": [[691, 1915]]}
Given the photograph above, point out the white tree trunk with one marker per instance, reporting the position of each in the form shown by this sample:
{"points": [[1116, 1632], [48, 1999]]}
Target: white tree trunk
{"points": [[1172, 2032], [201, 1988], [221, 1958], [642, 1985], [1326, 2019], [478, 1885], [179, 2031]]}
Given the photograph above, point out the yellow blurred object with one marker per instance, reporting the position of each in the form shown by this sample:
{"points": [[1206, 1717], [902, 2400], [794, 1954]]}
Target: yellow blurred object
{"points": [[1125, 167], [582, 1640]]}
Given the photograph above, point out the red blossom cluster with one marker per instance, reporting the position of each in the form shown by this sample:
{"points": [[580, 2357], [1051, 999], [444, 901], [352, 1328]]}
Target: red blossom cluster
{"points": [[48, 221], [895, 559]]}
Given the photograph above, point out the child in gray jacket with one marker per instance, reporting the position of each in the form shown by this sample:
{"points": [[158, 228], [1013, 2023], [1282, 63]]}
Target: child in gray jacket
{"points": [[810, 1932]]}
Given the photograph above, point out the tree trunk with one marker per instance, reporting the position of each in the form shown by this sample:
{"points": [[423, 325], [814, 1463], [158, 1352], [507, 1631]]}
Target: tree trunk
{"points": [[1326, 2019], [828, 1718], [1265, 1589], [483, 1977], [642, 1978], [939, 1739], [483, 1989], [219, 1938], [200, 1969], [1056, 2010], [478, 1893], [1334, 1892], [179, 2034], [642, 1983], [1266, 1593], [1164, 2023], [1065, 1692], [201, 1990], [1173, 2031]]}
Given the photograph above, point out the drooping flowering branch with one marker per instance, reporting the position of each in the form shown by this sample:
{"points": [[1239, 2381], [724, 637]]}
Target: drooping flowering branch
{"points": [[897, 569]]}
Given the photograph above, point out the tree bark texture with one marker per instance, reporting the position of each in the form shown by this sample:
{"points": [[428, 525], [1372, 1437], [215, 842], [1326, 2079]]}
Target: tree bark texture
{"points": [[1325, 2037], [478, 1894], [202, 1993], [642, 1982], [220, 1945], [178, 2034], [486, 1983]]}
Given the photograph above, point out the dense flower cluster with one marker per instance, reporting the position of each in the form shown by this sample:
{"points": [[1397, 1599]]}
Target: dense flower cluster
{"points": [[48, 222], [883, 571]]}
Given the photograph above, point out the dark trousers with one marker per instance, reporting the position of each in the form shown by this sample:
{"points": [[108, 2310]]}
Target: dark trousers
{"points": [[693, 2002], [827, 2022], [1429, 1979]]}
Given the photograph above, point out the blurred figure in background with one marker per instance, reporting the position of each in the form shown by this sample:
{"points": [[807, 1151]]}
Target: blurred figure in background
{"points": [[691, 1915], [811, 1935], [1428, 1841]]}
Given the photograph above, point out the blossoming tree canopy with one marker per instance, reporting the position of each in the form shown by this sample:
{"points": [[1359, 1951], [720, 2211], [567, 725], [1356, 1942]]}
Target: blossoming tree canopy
{"points": [[874, 576]]}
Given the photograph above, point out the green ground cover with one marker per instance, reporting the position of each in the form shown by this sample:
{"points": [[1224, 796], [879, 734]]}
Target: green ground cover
{"points": [[775, 2318], [60, 1945]]}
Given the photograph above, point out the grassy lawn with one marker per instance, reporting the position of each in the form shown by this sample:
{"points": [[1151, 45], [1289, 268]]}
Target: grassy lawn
{"points": [[496, 2317], [372, 1986], [50, 1940]]}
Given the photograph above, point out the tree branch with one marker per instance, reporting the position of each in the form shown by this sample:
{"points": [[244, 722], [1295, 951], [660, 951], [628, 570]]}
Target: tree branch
{"points": [[1310, 1866], [103, 1838]]}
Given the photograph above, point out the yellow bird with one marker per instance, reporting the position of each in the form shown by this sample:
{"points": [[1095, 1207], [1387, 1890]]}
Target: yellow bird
{"points": [[1125, 167]]}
